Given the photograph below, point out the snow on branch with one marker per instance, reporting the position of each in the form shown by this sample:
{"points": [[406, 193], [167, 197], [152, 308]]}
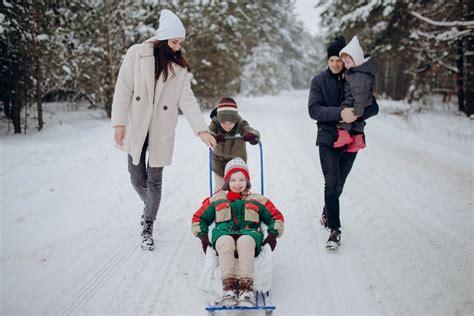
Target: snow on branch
{"points": [[363, 12], [452, 34], [437, 23]]}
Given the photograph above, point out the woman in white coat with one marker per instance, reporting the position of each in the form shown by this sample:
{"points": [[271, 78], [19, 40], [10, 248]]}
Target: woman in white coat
{"points": [[153, 83]]}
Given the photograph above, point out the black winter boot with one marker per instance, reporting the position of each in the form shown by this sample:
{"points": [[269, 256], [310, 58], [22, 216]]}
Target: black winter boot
{"points": [[147, 236], [334, 240]]}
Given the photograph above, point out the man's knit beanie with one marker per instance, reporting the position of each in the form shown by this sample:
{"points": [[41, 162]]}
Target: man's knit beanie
{"points": [[336, 46]]}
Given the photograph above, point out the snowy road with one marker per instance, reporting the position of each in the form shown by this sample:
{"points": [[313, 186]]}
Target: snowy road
{"points": [[70, 220]]}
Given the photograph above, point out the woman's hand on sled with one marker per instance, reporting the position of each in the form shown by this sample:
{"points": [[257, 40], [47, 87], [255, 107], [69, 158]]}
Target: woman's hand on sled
{"points": [[208, 139]]}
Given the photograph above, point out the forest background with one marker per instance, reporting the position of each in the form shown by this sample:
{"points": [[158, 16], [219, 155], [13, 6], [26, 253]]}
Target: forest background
{"points": [[55, 50]]}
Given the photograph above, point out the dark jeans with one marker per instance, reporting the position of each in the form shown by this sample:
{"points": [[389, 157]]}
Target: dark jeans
{"points": [[336, 165], [147, 182]]}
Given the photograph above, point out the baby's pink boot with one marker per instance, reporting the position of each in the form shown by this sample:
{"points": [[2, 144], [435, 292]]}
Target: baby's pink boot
{"points": [[343, 138]]}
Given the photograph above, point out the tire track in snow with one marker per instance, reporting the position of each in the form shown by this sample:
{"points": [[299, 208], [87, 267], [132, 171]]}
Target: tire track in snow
{"points": [[157, 292], [87, 290], [413, 219], [49, 249], [417, 229], [163, 298], [337, 268], [344, 295], [181, 252]]}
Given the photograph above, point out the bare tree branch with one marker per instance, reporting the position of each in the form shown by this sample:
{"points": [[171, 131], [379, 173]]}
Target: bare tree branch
{"points": [[437, 23]]}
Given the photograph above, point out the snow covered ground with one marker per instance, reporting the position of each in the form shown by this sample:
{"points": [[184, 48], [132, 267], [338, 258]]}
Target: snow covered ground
{"points": [[70, 219]]}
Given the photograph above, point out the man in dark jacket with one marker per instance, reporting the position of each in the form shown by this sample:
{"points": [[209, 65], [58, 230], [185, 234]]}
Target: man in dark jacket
{"points": [[324, 106]]}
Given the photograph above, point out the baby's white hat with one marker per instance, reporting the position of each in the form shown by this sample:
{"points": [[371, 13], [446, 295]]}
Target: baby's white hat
{"points": [[354, 50], [170, 26]]}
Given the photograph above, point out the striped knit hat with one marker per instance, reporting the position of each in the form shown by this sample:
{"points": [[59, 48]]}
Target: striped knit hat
{"points": [[227, 110], [235, 165]]}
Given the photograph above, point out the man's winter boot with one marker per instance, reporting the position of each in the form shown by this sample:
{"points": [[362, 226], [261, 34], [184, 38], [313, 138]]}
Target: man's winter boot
{"points": [[357, 144], [343, 138], [229, 298], [334, 240], [147, 236], [246, 294]]}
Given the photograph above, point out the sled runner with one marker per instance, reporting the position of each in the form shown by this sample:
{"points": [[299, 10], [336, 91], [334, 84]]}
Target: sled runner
{"points": [[262, 301]]}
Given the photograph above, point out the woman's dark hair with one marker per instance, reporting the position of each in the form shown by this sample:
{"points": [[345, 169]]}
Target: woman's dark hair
{"points": [[164, 56]]}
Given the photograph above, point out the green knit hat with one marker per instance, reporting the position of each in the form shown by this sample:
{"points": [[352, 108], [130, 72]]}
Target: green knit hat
{"points": [[227, 110]]}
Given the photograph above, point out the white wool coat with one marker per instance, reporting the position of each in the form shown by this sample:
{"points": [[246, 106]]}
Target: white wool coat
{"points": [[148, 106]]}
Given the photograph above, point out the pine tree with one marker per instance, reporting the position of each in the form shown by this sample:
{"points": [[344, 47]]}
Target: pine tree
{"points": [[416, 57], [15, 74]]}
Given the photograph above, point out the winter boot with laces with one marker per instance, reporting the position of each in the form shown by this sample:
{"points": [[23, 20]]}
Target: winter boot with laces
{"points": [[246, 294], [229, 298], [334, 240], [147, 236]]}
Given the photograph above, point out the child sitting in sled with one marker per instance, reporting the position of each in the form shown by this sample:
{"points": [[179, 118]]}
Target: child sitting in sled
{"points": [[237, 235], [226, 121]]}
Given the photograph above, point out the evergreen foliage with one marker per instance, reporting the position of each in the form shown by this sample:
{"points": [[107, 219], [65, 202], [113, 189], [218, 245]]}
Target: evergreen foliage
{"points": [[72, 50], [422, 47]]}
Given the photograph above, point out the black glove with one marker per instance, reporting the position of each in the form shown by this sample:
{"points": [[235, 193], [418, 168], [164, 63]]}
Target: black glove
{"points": [[271, 240], [251, 138], [205, 242], [219, 138]]}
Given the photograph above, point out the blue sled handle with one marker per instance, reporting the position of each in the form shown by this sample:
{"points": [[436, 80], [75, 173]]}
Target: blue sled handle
{"points": [[210, 172]]}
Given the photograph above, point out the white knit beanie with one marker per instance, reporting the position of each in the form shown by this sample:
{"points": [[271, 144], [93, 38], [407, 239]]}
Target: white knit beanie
{"points": [[170, 26], [354, 50]]}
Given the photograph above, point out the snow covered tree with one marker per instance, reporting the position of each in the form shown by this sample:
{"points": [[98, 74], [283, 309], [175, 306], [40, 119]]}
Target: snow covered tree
{"points": [[99, 34], [422, 47], [382, 29], [75, 48], [446, 42], [28, 34], [213, 47], [282, 55], [15, 74], [263, 73]]}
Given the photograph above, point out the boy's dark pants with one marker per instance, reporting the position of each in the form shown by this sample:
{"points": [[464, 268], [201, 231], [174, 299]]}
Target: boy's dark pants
{"points": [[147, 182], [336, 165]]}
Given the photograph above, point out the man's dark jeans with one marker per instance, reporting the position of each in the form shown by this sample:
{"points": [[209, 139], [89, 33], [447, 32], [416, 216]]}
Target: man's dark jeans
{"points": [[147, 182], [336, 165]]}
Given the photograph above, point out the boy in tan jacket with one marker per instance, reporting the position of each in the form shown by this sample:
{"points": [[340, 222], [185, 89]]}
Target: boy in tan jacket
{"points": [[226, 122]]}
